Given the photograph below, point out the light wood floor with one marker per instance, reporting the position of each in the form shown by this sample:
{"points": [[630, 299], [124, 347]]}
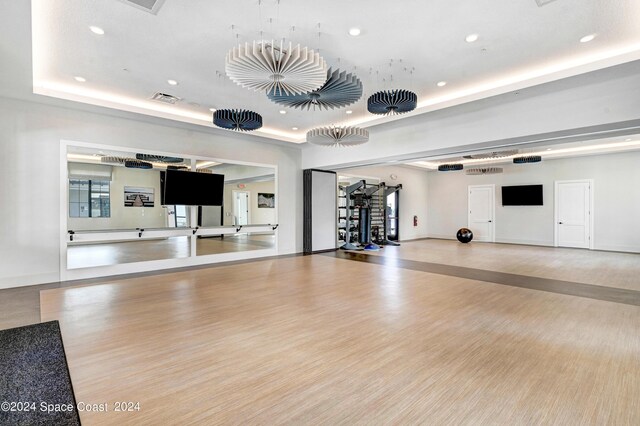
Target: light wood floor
{"points": [[611, 269], [91, 255], [321, 340]]}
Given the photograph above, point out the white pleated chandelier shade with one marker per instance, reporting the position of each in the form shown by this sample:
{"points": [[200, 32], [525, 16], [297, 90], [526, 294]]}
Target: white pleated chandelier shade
{"points": [[338, 136], [283, 70]]}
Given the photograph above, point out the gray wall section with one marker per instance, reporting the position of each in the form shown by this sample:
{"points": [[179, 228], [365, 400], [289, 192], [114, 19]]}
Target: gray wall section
{"points": [[323, 211]]}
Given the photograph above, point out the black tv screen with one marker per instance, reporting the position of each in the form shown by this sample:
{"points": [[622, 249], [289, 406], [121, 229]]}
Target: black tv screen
{"points": [[183, 188], [522, 195]]}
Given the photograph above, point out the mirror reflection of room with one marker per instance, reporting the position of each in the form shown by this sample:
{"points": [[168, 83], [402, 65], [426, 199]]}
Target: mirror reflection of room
{"points": [[249, 201], [126, 207]]}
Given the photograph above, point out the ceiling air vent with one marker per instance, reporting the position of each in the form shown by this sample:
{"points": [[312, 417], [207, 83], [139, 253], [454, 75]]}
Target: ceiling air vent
{"points": [[163, 97], [544, 2], [151, 6]]}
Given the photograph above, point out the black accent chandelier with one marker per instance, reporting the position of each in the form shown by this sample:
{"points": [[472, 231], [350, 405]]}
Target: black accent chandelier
{"points": [[450, 167], [340, 90], [159, 158], [172, 167], [241, 120], [527, 159], [484, 171], [138, 164], [389, 102]]}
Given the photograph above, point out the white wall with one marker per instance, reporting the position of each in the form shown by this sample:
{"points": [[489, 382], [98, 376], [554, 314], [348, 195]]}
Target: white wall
{"points": [[30, 135], [600, 97], [616, 202], [413, 195], [127, 217]]}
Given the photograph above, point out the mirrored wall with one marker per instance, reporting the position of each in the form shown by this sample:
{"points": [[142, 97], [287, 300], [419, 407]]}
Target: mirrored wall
{"points": [[127, 207]]}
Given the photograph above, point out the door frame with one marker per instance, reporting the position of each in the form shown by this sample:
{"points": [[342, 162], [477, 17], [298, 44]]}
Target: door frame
{"points": [[234, 203], [493, 208], [556, 204]]}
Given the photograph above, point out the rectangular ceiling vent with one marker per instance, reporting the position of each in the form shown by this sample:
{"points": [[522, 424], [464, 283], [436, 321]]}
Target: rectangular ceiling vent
{"points": [[151, 6], [163, 97], [544, 2]]}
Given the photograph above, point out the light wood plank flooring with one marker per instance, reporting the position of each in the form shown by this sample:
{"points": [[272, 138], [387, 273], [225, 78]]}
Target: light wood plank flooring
{"points": [[92, 255], [323, 340], [611, 269]]}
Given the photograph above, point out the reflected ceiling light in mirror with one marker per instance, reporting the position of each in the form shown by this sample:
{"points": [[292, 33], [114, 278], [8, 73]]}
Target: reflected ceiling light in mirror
{"points": [[237, 119], [341, 89], [355, 32], [172, 82], [442, 83], [471, 38], [280, 69], [338, 136], [79, 79], [391, 102]]}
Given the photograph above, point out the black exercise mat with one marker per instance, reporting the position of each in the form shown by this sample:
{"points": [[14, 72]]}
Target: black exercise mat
{"points": [[35, 387]]}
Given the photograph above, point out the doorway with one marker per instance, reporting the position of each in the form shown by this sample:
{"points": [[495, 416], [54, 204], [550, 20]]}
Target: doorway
{"points": [[573, 214], [241, 207], [481, 203], [392, 216]]}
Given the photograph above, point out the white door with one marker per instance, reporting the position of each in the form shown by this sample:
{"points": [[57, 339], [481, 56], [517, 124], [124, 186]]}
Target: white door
{"points": [[241, 207], [482, 212], [573, 214]]}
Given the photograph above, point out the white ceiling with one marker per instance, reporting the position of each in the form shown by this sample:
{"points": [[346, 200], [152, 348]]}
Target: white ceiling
{"points": [[519, 45]]}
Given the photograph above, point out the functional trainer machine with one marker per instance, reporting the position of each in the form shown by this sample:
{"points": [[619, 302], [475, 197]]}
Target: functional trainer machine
{"points": [[365, 214]]}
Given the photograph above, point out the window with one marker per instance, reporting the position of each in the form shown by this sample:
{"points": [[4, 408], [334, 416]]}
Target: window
{"points": [[89, 198]]}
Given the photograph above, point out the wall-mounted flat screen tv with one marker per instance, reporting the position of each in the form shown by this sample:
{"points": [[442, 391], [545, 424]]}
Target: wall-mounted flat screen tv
{"points": [[183, 188], [522, 195]]}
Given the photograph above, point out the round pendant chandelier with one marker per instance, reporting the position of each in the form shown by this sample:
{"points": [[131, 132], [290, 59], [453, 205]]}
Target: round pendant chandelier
{"points": [[112, 159], [338, 136], [279, 69], [390, 102], [450, 167], [494, 154], [237, 119], [484, 171], [158, 158], [527, 159], [137, 164], [340, 90], [179, 167]]}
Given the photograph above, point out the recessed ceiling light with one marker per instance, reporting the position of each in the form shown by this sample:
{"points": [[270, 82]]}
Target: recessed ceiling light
{"points": [[587, 38], [349, 111], [471, 38], [294, 128], [96, 30], [212, 109], [172, 82], [628, 140], [80, 79], [548, 149], [283, 111], [354, 32], [442, 83]]}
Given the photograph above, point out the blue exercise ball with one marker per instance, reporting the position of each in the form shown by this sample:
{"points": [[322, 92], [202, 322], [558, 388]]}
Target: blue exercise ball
{"points": [[464, 235]]}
